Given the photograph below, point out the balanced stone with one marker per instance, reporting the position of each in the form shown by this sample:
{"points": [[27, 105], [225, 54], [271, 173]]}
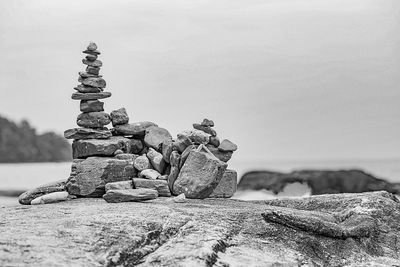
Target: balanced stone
{"points": [[227, 146], [93, 119], [221, 155], [155, 136], [206, 129], [87, 133], [160, 185], [92, 46], [182, 142], [200, 174], [185, 155], [99, 147], [50, 198], [166, 148], [174, 160], [137, 129], [207, 122], [87, 106], [214, 140], [156, 160], [91, 52], [227, 186], [89, 177], [87, 89], [149, 174], [142, 163], [96, 63], [119, 117], [92, 70], [26, 197], [136, 146], [91, 57], [90, 96], [119, 185], [127, 156], [196, 136], [93, 81], [128, 195]]}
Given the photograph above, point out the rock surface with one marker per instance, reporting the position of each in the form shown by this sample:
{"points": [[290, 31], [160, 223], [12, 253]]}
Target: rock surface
{"points": [[86, 133], [210, 232], [90, 96], [99, 147], [121, 185], [119, 117], [160, 185], [50, 198], [136, 129], [93, 119], [227, 186], [320, 182], [155, 136], [128, 195], [26, 197], [91, 106]]}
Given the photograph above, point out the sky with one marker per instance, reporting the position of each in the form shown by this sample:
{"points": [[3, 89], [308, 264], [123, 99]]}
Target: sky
{"points": [[283, 79]]}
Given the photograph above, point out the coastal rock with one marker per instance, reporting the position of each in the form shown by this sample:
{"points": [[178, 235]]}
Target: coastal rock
{"points": [[93, 119], [227, 146], [181, 143], [136, 146], [99, 147], [129, 195], [214, 140], [149, 174], [87, 106], [156, 160], [137, 129], [160, 185], [155, 136], [200, 174], [95, 63], [119, 117], [206, 129], [227, 186], [142, 163], [93, 81], [86, 89], [50, 198], [89, 177], [207, 122], [121, 185], [90, 96], [86, 133], [196, 136], [221, 155], [167, 147], [185, 155], [26, 197], [92, 70]]}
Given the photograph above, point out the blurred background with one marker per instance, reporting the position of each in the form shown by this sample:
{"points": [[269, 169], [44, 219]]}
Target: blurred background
{"points": [[296, 84]]}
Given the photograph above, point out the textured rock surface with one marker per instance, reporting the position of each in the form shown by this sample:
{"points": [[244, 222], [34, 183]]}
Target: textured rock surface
{"points": [[149, 174], [160, 185], [156, 160], [93, 119], [89, 177], [86, 89], [119, 117], [320, 182], [227, 146], [196, 136], [86, 133], [99, 147], [221, 155], [155, 136], [119, 185], [50, 198], [90, 96], [136, 129], [210, 232], [91, 106], [227, 186], [128, 195], [26, 197], [142, 163]]}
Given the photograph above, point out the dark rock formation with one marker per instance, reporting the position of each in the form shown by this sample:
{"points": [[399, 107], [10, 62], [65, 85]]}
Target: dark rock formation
{"points": [[320, 182]]}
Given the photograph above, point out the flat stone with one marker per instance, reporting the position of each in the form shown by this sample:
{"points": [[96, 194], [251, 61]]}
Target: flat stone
{"points": [[90, 96], [227, 146], [118, 152], [172, 176], [221, 155], [93, 119], [156, 160], [50, 198], [175, 159], [90, 52], [160, 185], [95, 63], [92, 46], [155, 136], [149, 174], [119, 185], [87, 89], [87, 106], [167, 147], [227, 186], [93, 81], [99, 147], [127, 156], [142, 163], [119, 117], [86, 133], [200, 174], [128, 195], [137, 129], [207, 122], [93, 70], [206, 129], [26, 197], [196, 136], [89, 177], [136, 146], [91, 57], [185, 155], [214, 140], [181, 143]]}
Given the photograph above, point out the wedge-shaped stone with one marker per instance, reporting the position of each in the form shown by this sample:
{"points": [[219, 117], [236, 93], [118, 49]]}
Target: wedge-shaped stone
{"points": [[128, 195], [227, 146], [200, 174], [137, 129], [86, 133], [224, 156], [93, 119], [99, 147], [227, 186], [160, 185], [155, 136], [90, 96], [89, 177]]}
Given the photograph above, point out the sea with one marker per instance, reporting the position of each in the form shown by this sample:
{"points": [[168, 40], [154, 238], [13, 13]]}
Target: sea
{"points": [[24, 176]]}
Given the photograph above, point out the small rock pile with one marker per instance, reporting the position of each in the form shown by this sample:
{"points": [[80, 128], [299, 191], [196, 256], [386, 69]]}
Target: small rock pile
{"points": [[138, 161]]}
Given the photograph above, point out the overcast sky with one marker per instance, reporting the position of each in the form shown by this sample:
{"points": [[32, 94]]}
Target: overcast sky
{"points": [[284, 79]]}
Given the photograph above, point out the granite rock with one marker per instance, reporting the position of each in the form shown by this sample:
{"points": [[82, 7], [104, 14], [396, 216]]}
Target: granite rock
{"points": [[119, 117], [160, 185], [87, 106], [90, 96], [26, 197], [129, 195], [155, 136], [99, 147], [156, 160], [137, 129], [121, 185], [50, 198], [227, 186], [86, 133], [142, 163]]}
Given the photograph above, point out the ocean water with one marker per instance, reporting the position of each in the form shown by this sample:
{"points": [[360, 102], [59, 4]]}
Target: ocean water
{"points": [[30, 175]]}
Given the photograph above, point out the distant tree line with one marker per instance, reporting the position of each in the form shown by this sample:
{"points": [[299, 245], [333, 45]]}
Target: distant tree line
{"points": [[21, 143]]}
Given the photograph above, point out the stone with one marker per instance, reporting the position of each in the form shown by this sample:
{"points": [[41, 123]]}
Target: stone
{"points": [[99, 147], [160, 185], [180, 198], [93, 70], [172, 176], [221, 155], [87, 89], [200, 174], [127, 156], [155, 136], [93, 119], [207, 122], [121, 185], [90, 96], [136, 146], [92, 46], [119, 117], [91, 57], [196, 136], [149, 174], [90, 52], [93, 81], [142, 163], [227, 146], [86, 133], [26, 197], [89, 176], [163, 177], [175, 159], [214, 140], [185, 154], [167, 147], [129, 195], [95, 63], [137, 129], [87, 106], [227, 186], [181, 143], [118, 152], [50, 198], [156, 160], [206, 129]]}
